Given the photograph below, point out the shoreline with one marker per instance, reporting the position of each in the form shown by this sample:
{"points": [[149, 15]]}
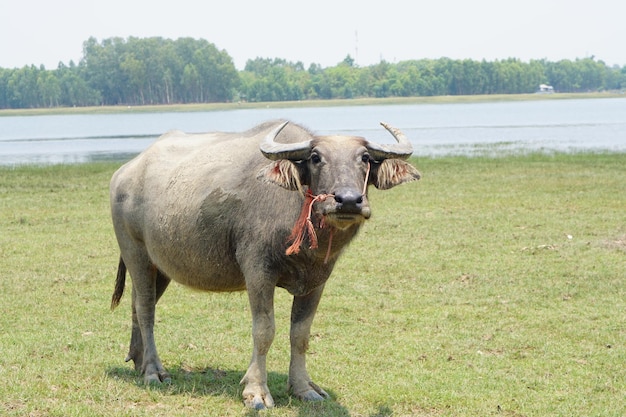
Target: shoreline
{"points": [[205, 107], [506, 157]]}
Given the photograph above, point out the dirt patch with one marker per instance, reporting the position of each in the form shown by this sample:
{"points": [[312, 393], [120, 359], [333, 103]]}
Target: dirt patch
{"points": [[618, 243]]}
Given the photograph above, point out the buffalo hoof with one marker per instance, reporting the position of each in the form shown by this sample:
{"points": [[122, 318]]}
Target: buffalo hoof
{"points": [[314, 393], [157, 379], [156, 375], [259, 401], [257, 398]]}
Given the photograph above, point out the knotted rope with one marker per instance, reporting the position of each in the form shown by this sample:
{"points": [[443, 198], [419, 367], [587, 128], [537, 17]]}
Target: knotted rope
{"points": [[304, 225]]}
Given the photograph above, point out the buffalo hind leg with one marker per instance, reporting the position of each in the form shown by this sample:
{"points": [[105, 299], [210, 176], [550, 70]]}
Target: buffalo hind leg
{"points": [[302, 314], [149, 284], [135, 352]]}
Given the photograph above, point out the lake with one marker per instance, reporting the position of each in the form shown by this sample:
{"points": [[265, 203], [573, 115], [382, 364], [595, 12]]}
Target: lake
{"points": [[490, 128]]}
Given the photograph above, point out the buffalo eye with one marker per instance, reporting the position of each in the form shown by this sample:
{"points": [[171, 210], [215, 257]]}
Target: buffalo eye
{"points": [[365, 157], [315, 158]]}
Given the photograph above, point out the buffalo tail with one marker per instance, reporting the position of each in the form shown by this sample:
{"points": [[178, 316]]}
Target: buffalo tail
{"points": [[120, 283]]}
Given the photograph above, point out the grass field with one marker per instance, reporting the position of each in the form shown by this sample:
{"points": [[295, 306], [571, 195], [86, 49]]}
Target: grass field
{"points": [[491, 287]]}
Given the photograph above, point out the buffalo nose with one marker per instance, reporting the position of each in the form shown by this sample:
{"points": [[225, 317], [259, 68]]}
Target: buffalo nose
{"points": [[348, 200]]}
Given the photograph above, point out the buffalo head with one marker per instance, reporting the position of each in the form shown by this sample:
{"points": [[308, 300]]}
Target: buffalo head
{"points": [[339, 167]]}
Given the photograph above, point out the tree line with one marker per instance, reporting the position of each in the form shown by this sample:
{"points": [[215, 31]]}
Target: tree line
{"points": [[139, 71]]}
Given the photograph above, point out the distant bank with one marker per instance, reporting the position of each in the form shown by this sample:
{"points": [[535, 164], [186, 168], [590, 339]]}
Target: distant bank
{"points": [[203, 107]]}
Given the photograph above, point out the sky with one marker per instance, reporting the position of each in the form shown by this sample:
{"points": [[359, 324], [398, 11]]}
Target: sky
{"points": [[36, 32]]}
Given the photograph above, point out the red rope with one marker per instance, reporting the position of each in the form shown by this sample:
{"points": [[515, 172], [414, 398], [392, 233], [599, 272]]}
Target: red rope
{"points": [[304, 224]]}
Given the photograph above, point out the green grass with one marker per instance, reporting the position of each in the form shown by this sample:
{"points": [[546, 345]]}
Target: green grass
{"points": [[491, 287]]}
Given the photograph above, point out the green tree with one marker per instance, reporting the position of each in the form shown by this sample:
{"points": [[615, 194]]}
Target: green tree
{"points": [[192, 84], [592, 74], [161, 71], [49, 89], [615, 78], [341, 80], [265, 79], [4, 88], [158, 71], [23, 89], [74, 89]]}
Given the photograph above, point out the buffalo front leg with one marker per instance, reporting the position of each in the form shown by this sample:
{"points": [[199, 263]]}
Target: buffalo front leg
{"points": [[302, 314], [256, 393]]}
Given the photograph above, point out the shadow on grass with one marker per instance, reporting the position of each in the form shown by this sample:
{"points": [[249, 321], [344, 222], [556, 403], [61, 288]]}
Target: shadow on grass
{"points": [[219, 382]]}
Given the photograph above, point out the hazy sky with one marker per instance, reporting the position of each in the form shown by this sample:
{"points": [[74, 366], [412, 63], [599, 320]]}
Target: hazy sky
{"points": [[323, 32]]}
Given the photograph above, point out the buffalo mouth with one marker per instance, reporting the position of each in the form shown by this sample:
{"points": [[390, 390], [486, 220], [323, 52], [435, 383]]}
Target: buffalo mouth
{"points": [[342, 219]]}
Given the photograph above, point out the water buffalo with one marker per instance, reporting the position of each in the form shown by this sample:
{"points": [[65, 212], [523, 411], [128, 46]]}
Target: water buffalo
{"points": [[271, 207]]}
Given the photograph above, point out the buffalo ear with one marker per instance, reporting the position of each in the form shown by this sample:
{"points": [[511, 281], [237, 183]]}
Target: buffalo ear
{"points": [[392, 172], [282, 172]]}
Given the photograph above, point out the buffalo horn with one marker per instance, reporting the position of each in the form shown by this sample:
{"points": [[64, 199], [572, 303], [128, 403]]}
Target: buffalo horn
{"points": [[275, 150], [401, 150]]}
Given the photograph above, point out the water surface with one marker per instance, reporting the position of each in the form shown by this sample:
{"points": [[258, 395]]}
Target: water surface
{"points": [[434, 129]]}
